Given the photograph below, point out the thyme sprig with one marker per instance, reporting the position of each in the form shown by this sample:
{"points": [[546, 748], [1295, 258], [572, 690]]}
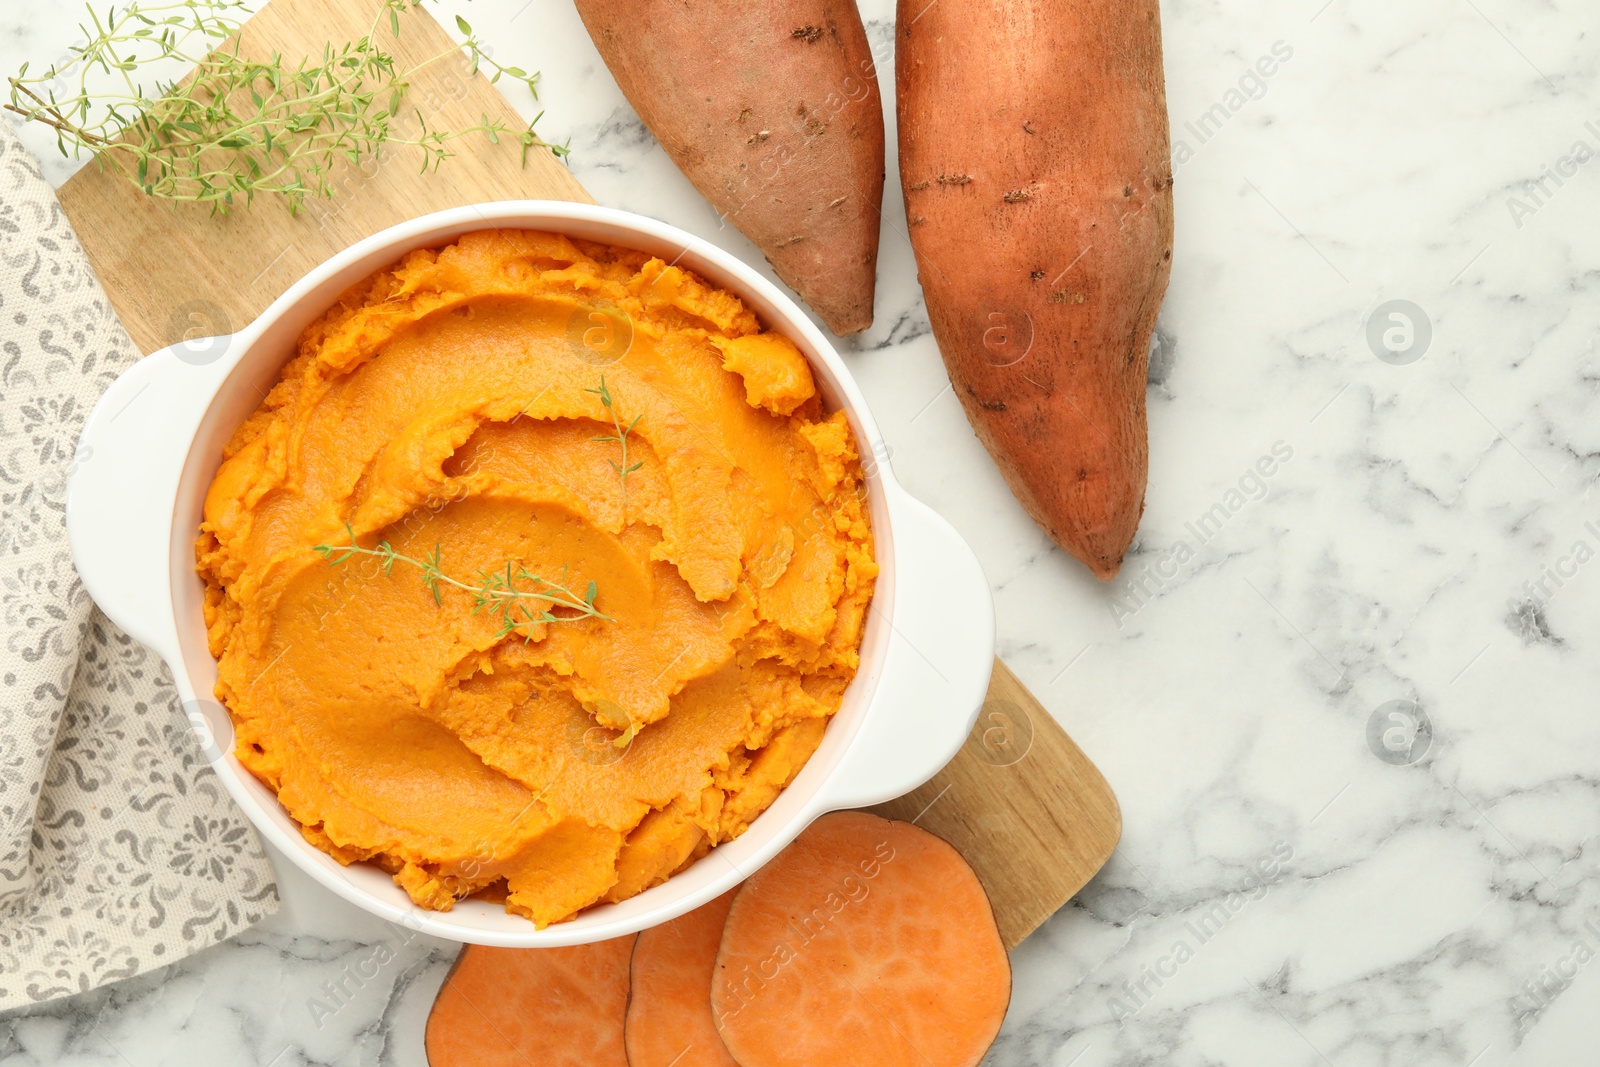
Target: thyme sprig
{"points": [[624, 468], [496, 591], [236, 127]]}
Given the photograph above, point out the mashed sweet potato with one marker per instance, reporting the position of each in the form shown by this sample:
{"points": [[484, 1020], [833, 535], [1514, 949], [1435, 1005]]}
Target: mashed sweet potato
{"points": [[453, 409]]}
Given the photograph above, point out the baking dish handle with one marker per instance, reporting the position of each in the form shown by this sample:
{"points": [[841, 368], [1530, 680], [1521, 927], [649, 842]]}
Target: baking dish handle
{"points": [[936, 672], [123, 486]]}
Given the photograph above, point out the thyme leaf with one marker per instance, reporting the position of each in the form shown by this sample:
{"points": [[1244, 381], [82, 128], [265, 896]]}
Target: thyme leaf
{"points": [[236, 127], [517, 595], [624, 468]]}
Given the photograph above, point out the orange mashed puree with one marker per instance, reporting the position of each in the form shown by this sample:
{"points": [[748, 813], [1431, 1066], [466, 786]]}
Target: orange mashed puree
{"points": [[452, 405]]}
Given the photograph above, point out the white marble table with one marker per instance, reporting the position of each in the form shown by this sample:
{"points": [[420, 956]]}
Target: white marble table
{"points": [[1287, 892]]}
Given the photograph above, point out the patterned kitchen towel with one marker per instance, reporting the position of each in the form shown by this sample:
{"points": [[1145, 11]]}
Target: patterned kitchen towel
{"points": [[119, 849]]}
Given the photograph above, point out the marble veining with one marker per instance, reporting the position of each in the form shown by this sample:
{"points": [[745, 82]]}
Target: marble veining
{"points": [[1342, 522]]}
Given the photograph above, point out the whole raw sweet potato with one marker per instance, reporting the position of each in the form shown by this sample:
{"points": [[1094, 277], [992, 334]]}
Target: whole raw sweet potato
{"points": [[1036, 166], [771, 109]]}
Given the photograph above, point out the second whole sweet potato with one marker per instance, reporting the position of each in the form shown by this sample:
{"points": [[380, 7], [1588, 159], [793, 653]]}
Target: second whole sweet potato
{"points": [[1035, 161]]}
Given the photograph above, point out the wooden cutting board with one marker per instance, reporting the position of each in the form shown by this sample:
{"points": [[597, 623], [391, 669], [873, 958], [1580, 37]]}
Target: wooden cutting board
{"points": [[1026, 808]]}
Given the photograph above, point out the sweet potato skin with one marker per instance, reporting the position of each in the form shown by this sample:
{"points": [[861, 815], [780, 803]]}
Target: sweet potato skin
{"points": [[771, 109], [1035, 161]]}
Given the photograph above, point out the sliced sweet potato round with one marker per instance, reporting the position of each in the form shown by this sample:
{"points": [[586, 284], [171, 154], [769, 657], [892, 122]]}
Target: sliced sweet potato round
{"points": [[865, 941], [554, 1007], [669, 1008]]}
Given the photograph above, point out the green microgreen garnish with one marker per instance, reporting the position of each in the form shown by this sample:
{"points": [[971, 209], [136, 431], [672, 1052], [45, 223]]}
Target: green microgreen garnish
{"points": [[497, 591]]}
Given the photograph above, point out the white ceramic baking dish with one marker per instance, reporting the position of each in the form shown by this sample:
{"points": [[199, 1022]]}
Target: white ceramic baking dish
{"points": [[152, 444]]}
